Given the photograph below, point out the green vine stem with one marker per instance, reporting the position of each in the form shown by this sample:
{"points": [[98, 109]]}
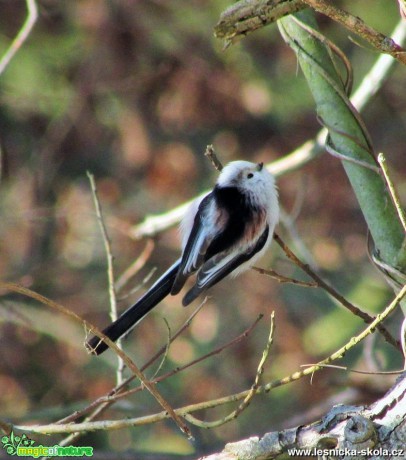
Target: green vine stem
{"points": [[347, 135]]}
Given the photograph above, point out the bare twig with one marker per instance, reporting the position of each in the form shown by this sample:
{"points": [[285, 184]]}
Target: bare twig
{"points": [[136, 266], [284, 279], [165, 353], [107, 246], [355, 371], [105, 401], [211, 155], [110, 269], [192, 363], [22, 35], [115, 393], [117, 424], [101, 404], [246, 16], [245, 403], [392, 190], [330, 290], [127, 360], [356, 25]]}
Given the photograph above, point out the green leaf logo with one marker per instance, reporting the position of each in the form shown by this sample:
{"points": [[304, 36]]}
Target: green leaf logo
{"points": [[11, 443]]}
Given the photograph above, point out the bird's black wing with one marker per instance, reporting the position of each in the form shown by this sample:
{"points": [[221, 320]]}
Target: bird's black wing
{"points": [[221, 265]]}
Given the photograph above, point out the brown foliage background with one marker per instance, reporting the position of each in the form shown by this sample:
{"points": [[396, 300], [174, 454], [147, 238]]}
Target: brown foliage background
{"points": [[133, 91]]}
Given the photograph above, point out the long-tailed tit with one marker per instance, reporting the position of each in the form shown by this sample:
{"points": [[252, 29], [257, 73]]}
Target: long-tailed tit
{"points": [[224, 232]]}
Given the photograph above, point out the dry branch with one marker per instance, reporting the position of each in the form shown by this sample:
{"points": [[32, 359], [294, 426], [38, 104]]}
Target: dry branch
{"points": [[181, 412], [379, 428], [12, 287]]}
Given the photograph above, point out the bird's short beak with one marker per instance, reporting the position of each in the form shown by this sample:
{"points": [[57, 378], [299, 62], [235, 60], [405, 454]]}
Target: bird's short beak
{"points": [[260, 166]]}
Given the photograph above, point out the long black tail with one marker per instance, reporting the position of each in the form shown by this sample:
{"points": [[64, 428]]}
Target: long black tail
{"points": [[133, 315]]}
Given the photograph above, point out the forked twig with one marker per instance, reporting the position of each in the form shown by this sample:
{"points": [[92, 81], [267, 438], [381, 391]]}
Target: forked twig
{"points": [[356, 25], [117, 424], [284, 279], [246, 401], [112, 397], [102, 403], [106, 400], [330, 290], [127, 360]]}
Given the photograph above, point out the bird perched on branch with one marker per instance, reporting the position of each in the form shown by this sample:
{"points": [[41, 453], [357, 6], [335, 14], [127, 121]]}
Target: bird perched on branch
{"points": [[224, 232]]}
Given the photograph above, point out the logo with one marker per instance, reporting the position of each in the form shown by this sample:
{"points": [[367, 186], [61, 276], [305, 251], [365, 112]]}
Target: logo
{"points": [[23, 446], [11, 443]]}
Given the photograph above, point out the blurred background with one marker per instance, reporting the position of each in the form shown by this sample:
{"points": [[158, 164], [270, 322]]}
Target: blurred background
{"points": [[133, 91]]}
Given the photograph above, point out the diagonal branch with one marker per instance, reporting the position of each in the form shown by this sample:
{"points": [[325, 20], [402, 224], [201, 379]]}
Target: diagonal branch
{"points": [[148, 419], [333, 293], [129, 363], [379, 41]]}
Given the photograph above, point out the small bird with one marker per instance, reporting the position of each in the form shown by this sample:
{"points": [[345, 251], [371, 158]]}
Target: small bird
{"points": [[224, 232]]}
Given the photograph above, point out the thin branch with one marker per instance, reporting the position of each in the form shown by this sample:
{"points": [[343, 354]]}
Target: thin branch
{"points": [[245, 403], [392, 190], [118, 424], [379, 41], [192, 363], [21, 37], [165, 353], [115, 392], [102, 403], [333, 293], [87, 325], [110, 268], [105, 401], [211, 155], [136, 266], [355, 371], [284, 279], [247, 16]]}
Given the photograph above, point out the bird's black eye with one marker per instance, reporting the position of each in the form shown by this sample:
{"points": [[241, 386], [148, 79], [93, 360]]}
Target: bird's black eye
{"points": [[250, 175]]}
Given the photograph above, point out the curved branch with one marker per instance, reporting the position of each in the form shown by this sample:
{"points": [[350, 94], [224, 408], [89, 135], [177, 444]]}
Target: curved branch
{"points": [[21, 36]]}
